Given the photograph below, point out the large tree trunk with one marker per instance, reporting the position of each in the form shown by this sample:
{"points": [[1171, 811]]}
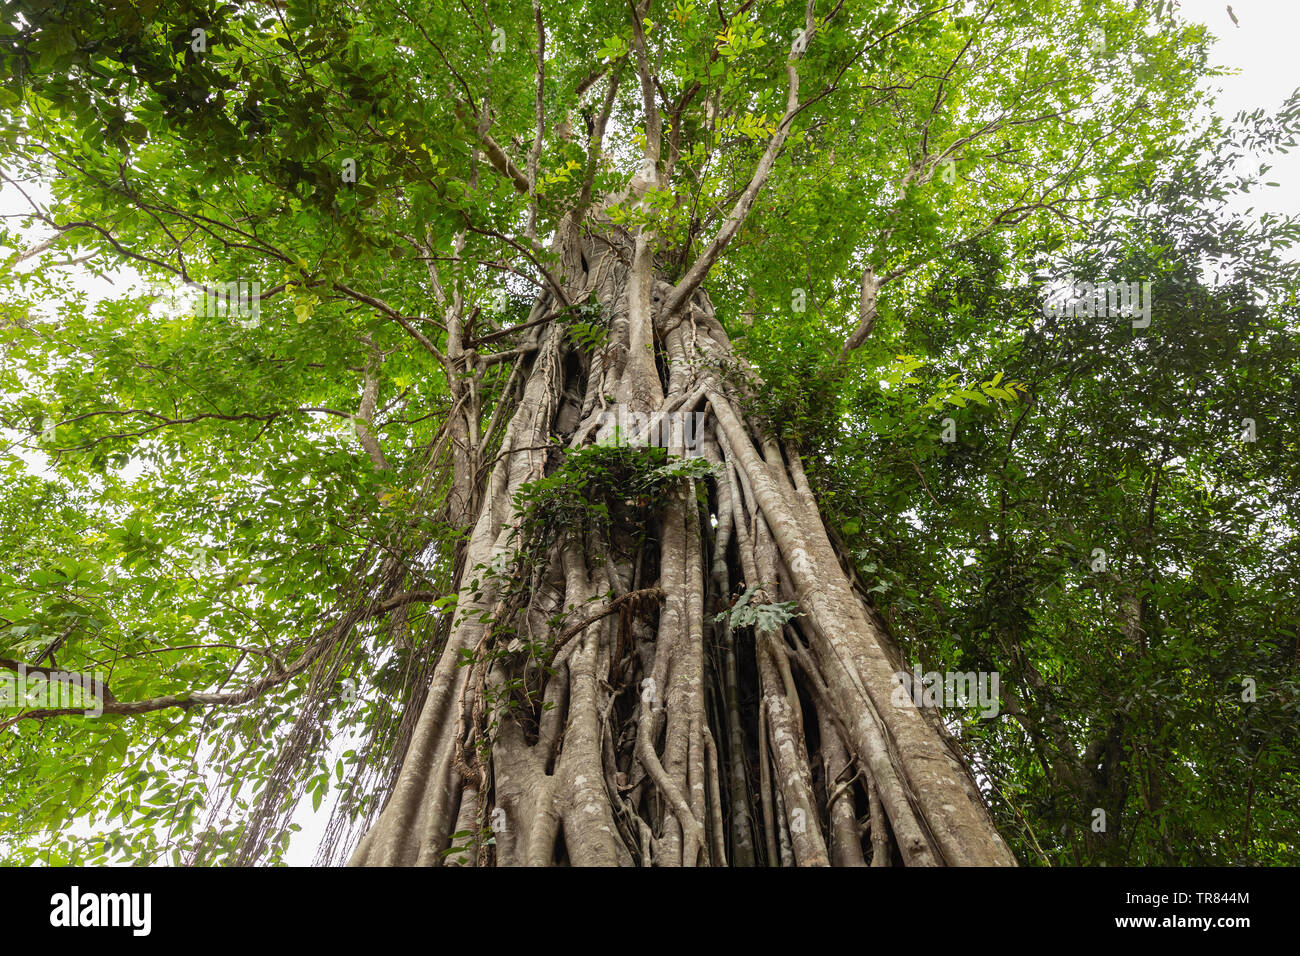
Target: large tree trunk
{"points": [[631, 725]]}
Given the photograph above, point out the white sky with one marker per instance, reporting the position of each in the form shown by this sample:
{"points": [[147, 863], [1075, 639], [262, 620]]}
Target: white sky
{"points": [[1261, 47]]}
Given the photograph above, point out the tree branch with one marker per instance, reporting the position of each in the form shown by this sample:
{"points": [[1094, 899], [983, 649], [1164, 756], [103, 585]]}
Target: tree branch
{"points": [[250, 692], [700, 268]]}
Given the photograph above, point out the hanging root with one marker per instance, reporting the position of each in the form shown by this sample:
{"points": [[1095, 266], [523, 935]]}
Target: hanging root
{"points": [[623, 682]]}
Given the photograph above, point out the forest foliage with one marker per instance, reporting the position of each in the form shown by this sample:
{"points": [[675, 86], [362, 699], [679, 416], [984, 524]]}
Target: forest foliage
{"points": [[1105, 515]]}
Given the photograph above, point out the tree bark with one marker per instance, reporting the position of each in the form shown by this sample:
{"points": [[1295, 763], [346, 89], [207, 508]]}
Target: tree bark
{"points": [[638, 740]]}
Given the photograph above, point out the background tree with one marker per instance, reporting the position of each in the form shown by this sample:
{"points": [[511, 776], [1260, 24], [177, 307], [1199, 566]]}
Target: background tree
{"points": [[1120, 546]]}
